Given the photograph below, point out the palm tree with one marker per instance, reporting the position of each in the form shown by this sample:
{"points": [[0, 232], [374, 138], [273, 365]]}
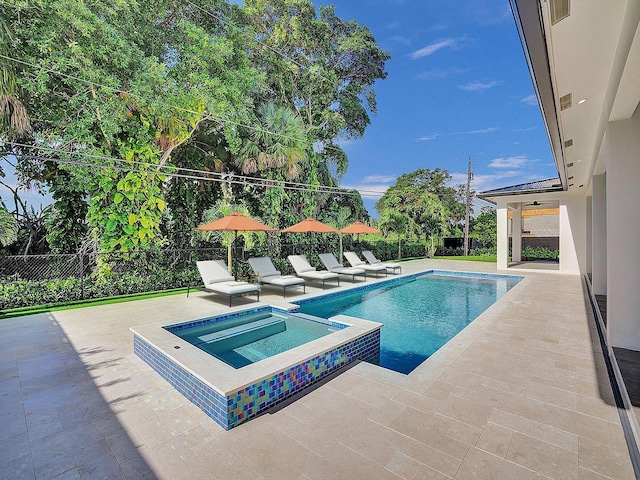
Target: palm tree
{"points": [[13, 114], [8, 227], [278, 141], [396, 222]]}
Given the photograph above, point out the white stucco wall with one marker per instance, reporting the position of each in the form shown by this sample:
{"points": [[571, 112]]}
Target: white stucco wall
{"points": [[573, 233], [623, 233]]}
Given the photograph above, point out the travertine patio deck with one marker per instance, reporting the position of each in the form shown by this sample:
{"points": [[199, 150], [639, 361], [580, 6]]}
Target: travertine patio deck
{"points": [[521, 393]]}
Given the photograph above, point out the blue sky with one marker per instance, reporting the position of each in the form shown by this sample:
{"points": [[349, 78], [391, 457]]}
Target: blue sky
{"points": [[457, 87]]}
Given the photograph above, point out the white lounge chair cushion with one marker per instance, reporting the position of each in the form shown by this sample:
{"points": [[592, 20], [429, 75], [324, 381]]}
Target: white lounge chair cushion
{"points": [[321, 275], [334, 266], [353, 259], [233, 288], [282, 280], [330, 261], [374, 261], [373, 268], [370, 257], [300, 264], [213, 271], [263, 267]]}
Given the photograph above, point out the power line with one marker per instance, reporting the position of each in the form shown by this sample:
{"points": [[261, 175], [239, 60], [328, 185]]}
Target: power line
{"points": [[263, 183], [225, 176]]}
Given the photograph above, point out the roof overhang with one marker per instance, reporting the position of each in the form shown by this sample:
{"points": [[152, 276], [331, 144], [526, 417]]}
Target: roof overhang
{"points": [[540, 186], [530, 24]]}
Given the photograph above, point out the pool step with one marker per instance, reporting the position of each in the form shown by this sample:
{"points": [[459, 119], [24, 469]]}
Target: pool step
{"points": [[239, 329], [240, 336]]}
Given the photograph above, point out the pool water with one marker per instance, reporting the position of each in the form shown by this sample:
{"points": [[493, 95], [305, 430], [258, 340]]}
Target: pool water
{"points": [[419, 316], [247, 339]]}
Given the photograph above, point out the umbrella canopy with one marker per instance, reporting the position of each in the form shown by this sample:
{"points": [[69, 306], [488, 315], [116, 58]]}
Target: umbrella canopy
{"points": [[359, 227], [235, 222], [310, 225]]}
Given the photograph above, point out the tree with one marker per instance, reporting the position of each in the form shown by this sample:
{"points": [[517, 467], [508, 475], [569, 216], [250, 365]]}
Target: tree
{"points": [[399, 223], [485, 227], [425, 209], [319, 65], [434, 182], [131, 82]]}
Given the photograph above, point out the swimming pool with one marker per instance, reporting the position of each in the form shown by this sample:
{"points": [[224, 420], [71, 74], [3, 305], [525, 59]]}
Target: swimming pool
{"points": [[420, 314], [242, 340]]}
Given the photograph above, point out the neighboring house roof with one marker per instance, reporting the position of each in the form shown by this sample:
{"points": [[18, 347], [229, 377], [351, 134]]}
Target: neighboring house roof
{"points": [[539, 186]]}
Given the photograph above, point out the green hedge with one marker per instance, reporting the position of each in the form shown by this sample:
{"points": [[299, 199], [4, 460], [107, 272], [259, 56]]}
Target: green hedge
{"points": [[540, 253]]}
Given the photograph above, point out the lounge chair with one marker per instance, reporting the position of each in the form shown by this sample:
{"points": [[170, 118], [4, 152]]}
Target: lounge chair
{"points": [[334, 266], [355, 261], [370, 257], [267, 273], [217, 279], [304, 270]]}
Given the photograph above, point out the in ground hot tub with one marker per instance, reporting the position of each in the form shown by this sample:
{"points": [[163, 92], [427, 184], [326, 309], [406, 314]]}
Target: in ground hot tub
{"points": [[237, 365]]}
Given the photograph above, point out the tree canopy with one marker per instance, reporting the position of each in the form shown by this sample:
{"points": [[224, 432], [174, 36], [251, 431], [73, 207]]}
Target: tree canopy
{"points": [[122, 95]]}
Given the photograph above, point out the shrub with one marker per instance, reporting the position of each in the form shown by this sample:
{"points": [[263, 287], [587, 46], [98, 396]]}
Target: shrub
{"points": [[483, 252], [540, 253]]}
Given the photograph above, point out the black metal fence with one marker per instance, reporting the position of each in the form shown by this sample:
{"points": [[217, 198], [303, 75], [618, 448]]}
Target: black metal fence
{"points": [[46, 279]]}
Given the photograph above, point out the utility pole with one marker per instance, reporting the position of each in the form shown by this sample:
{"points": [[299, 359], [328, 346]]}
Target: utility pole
{"points": [[466, 213]]}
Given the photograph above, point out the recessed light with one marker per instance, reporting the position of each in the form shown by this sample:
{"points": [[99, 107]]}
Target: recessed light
{"points": [[581, 101]]}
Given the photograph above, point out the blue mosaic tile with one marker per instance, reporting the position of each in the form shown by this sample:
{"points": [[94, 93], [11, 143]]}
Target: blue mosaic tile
{"points": [[252, 400]]}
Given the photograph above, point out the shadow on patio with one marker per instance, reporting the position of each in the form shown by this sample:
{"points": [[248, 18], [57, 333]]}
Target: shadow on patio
{"points": [[54, 419]]}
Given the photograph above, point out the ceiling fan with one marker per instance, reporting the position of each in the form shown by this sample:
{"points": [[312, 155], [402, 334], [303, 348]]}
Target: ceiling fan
{"points": [[537, 204]]}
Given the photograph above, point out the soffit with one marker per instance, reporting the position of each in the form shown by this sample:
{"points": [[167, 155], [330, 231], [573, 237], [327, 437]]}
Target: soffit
{"points": [[628, 95], [582, 48]]}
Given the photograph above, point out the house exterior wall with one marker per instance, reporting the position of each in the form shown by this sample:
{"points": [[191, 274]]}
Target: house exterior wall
{"points": [[623, 231]]}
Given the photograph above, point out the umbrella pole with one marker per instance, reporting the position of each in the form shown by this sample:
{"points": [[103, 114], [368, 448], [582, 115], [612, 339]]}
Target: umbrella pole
{"points": [[341, 260]]}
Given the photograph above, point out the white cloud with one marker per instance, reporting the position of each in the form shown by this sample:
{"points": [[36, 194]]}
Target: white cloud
{"points": [[439, 74], [433, 48], [399, 39], [478, 86], [530, 100], [528, 129], [379, 179], [481, 131], [509, 162]]}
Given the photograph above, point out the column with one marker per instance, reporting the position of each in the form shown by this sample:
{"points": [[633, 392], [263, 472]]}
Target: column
{"points": [[599, 235], [503, 236], [623, 232], [516, 237]]}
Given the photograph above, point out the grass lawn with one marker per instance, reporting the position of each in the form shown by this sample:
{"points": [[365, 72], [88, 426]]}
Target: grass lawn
{"points": [[491, 259], [53, 307]]}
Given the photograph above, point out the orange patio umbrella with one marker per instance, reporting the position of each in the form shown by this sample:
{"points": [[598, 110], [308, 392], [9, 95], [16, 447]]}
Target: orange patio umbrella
{"points": [[357, 228], [310, 225], [235, 222]]}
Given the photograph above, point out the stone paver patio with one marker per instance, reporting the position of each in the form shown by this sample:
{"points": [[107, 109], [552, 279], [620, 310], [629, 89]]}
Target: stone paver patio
{"points": [[522, 392]]}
